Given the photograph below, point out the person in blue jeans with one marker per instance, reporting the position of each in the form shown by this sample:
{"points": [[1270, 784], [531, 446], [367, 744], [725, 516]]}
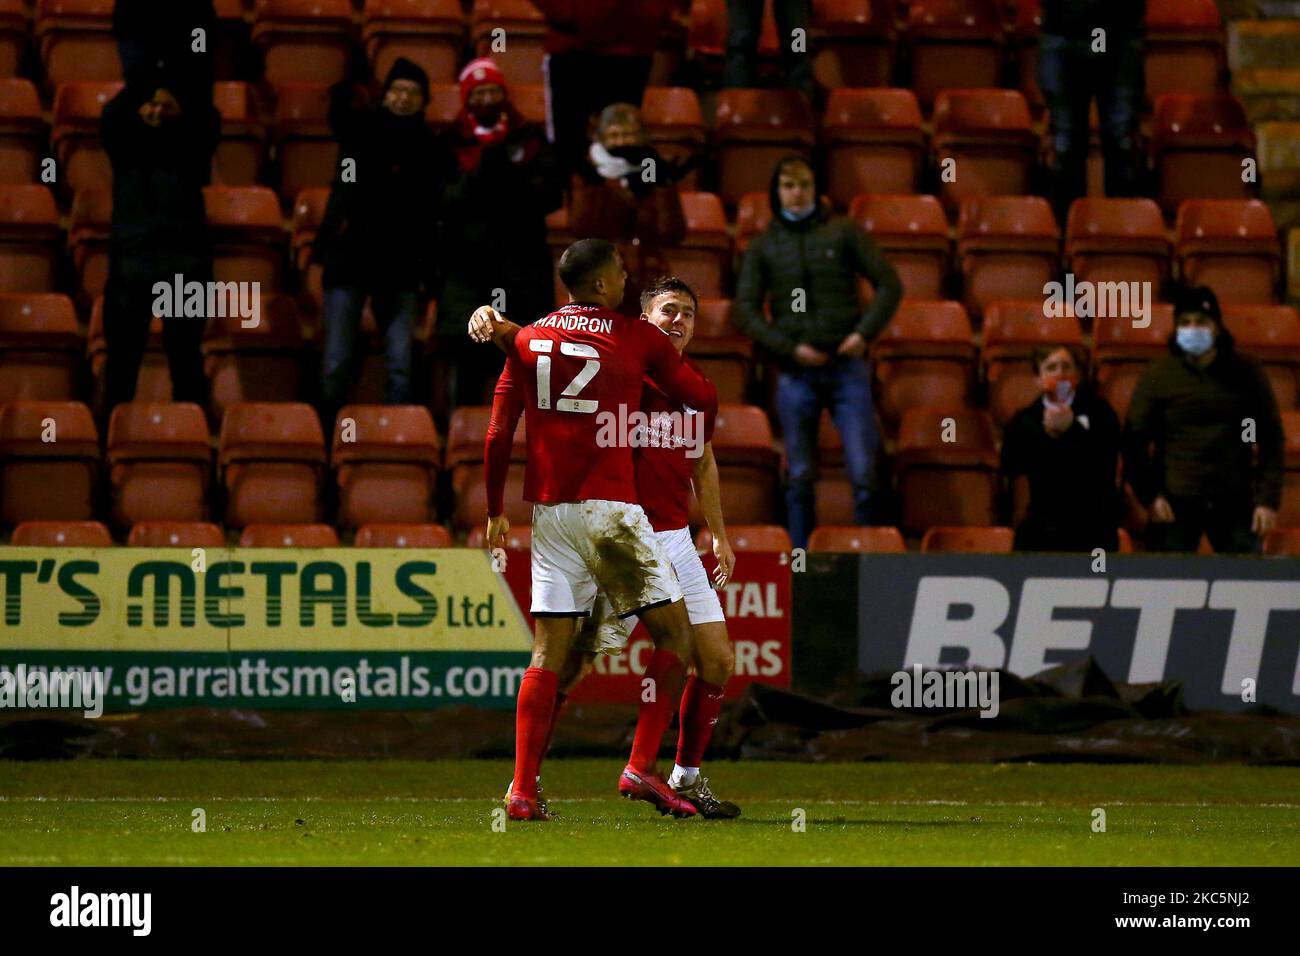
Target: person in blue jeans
{"points": [[1087, 49], [804, 268]]}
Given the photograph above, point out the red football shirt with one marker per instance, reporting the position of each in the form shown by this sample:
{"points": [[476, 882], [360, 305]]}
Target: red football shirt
{"points": [[666, 464], [578, 374]]}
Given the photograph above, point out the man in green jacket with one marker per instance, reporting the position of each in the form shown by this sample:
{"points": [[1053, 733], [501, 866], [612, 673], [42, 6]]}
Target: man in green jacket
{"points": [[805, 268], [1204, 444]]}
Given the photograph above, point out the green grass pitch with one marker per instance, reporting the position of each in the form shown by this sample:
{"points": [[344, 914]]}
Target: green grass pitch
{"points": [[100, 812]]}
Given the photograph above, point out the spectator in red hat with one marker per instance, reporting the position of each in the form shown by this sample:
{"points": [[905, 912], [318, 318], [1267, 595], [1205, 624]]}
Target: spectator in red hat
{"points": [[598, 52], [493, 228]]}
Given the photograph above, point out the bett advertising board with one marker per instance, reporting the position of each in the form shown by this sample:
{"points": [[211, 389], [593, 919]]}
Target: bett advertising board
{"points": [[1221, 626], [756, 601]]}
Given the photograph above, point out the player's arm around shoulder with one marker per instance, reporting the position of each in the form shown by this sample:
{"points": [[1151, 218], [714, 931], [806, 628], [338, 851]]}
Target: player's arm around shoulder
{"points": [[489, 325]]}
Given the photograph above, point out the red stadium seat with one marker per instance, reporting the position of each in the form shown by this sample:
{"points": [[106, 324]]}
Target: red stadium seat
{"points": [[854, 43], [752, 130], [76, 41], [873, 143], [1009, 247], [83, 163], [154, 381], [946, 467], [29, 239], [1117, 240], [722, 353], [289, 536], [524, 32], [444, 106], [262, 363], [749, 537], [1184, 47], [403, 536], [674, 125], [160, 461], [1198, 146], [924, 356], [88, 235], [913, 234], [308, 214], [1289, 515], [857, 539], [1231, 246], [466, 433], [22, 131], [304, 41], [1121, 352], [272, 457], [1012, 330], [176, 534], [40, 347], [429, 33], [242, 149], [308, 153], [13, 35], [247, 236], [1029, 19], [703, 257], [386, 464], [1271, 335], [518, 538], [49, 460], [62, 534], [956, 44], [707, 38], [747, 465], [753, 215], [991, 540], [1280, 543], [984, 138]]}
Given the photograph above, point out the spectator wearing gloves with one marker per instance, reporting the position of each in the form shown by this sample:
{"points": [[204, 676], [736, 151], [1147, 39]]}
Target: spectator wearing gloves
{"points": [[1066, 444], [804, 267], [502, 184], [1204, 446], [627, 193], [376, 240]]}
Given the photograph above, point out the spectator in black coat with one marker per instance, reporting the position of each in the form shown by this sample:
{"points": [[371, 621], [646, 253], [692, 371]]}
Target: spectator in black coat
{"points": [[160, 143], [377, 240], [493, 220], [161, 36], [1066, 443]]}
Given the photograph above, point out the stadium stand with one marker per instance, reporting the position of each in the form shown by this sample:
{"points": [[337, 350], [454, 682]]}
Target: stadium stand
{"points": [[1122, 350], [924, 356], [289, 536], [857, 539], [22, 129], [946, 482], [62, 534], [722, 353], [304, 41], [159, 463], [75, 40], [403, 536], [1012, 330], [49, 462], [752, 130], [994, 540], [271, 460], [873, 143], [747, 465], [913, 234], [518, 538], [1230, 246], [1198, 146], [1008, 248], [954, 44], [1117, 240], [983, 144], [1271, 335], [40, 347], [385, 459], [748, 537], [29, 239], [175, 534], [429, 33]]}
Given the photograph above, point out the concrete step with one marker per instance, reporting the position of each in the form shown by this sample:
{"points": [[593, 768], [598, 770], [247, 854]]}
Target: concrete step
{"points": [[1263, 44]]}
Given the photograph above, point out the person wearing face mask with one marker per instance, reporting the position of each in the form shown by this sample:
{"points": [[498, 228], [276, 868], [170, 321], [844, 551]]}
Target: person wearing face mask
{"points": [[627, 193], [1203, 446], [502, 183], [376, 240], [1065, 443], [805, 267]]}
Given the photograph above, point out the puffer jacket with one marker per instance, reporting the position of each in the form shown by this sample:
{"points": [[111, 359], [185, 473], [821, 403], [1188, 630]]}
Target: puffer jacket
{"points": [[823, 255]]}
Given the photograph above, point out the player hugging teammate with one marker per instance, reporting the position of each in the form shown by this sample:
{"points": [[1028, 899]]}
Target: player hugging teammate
{"points": [[610, 518]]}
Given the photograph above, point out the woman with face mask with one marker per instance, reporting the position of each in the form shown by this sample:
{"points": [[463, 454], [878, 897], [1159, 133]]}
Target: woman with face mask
{"points": [[1203, 448]]}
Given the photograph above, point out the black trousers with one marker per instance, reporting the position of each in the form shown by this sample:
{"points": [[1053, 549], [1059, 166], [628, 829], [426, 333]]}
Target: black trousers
{"points": [[128, 310], [580, 84], [744, 30], [1225, 521]]}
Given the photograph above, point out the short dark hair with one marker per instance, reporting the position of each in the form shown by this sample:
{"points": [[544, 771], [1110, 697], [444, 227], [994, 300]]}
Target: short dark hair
{"points": [[583, 260], [662, 286], [1040, 355]]}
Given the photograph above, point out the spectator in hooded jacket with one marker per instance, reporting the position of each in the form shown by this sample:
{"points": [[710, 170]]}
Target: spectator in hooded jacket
{"points": [[627, 193], [598, 52], [1204, 445], [160, 139], [1066, 443], [377, 240], [493, 222], [805, 268]]}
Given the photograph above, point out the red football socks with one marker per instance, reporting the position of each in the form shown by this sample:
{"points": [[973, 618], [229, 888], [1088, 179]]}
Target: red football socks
{"points": [[668, 673], [701, 704], [534, 711]]}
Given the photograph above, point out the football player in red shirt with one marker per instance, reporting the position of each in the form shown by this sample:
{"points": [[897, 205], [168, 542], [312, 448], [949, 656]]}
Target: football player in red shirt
{"points": [[677, 451], [574, 371]]}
